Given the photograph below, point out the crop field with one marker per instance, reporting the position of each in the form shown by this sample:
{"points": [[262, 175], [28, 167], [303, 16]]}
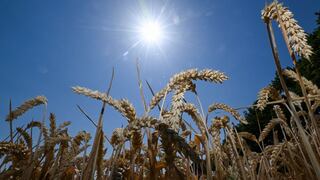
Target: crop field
{"points": [[161, 144]]}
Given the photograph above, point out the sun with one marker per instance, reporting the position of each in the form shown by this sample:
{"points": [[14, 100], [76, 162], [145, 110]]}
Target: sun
{"points": [[151, 32]]}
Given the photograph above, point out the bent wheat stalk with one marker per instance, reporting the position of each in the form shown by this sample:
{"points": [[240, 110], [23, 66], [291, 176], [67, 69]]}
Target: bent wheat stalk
{"points": [[27, 105], [303, 135]]}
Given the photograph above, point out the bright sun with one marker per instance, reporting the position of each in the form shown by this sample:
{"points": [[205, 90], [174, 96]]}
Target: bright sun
{"points": [[151, 32]]}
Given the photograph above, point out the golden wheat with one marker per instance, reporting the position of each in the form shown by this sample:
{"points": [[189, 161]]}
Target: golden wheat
{"points": [[168, 147], [296, 35], [311, 88], [185, 76], [227, 108], [27, 105], [264, 95]]}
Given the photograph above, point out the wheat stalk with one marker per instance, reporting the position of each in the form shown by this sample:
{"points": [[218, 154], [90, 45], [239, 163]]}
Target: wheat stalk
{"points": [[296, 35], [269, 127], [117, 136], [311, 88], [264, 95], [227, 108], [193, 112], [27, 105], [248, 136], [217, 150], [188, 75], [123, 106], [26, 137]]}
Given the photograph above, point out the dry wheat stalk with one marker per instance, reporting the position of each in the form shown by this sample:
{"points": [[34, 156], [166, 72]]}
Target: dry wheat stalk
{"points": [[227, 108], [33, 124], [90, 93], [66, 157], [27, 105], [217, 150], [276, 151], [117, 136], [296, 35], [253, 160], [249, 136], [63, 126], [296, 102], [53, 126], [76, 141], [281, 161], [269, 127], [172, 142], [26, 137], [279, 112], [233, 169], [136, 140], [128, 110], [41, 127], [264, 95], [49, 145], [145, 121], [168, 147], [311, 88], [314, 107], [123, 106], [99, 96], [188, 75], [173, 118], [193, 112], [281, 115], [100, 155], [15, 149]]}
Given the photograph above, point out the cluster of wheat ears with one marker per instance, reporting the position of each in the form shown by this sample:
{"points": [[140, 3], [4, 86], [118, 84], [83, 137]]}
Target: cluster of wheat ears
{"points": [[167, 146]]}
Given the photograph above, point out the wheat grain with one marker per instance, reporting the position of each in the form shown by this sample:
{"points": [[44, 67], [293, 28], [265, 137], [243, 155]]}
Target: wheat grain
{"points": [[26, 137], [269, 127], [185, 76], [117, 136], [227, 108], [264, 95], [296, 35], [248, 136], [127, 110], [193, 112], [27, 105], [311, 88], [123, 106], [217, 151]]}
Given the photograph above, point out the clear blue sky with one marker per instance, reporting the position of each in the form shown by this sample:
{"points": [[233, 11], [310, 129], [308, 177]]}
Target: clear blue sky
{"points": [[48, 46]]}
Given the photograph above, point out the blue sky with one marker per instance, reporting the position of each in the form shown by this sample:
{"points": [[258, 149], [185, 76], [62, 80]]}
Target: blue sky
{"points": [[46, 47]]}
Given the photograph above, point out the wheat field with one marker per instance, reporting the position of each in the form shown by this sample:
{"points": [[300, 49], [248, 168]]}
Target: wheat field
{"points": [[166, 146]]}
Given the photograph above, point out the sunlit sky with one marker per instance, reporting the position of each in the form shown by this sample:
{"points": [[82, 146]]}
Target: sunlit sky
{"points": [[46, 47]]}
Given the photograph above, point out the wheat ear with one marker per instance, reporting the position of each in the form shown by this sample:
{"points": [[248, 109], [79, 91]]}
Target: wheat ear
{"points": [[296, 35], [228, 109], [188, 75], [264, 95], [311, 88], [123, 106], [27, 105], [269, 127]]}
